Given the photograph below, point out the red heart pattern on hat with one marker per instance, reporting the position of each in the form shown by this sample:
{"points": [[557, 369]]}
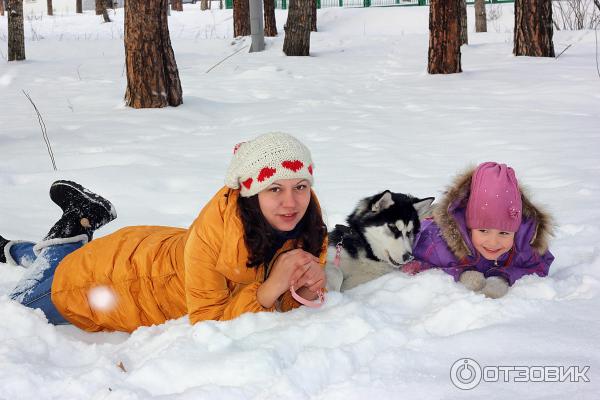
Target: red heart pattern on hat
{"points": [[247, 183], [310, 169], [293, 165], [266, 173]]}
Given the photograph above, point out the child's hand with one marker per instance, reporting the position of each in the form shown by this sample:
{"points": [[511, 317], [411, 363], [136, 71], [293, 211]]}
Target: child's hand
{"points": [[473, 280], [412, 267], [495, 287]]}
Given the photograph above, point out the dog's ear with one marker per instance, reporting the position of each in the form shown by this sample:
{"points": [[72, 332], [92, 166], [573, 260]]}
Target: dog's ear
{"points": [[385, 201], [423, 207]]}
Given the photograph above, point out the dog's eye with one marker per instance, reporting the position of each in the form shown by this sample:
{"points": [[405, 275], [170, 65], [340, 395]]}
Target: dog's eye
{"points": [[394, 229]]}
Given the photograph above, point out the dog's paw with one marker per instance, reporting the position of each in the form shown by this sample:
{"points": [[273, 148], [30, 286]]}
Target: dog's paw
{"points": [[335, 278]]}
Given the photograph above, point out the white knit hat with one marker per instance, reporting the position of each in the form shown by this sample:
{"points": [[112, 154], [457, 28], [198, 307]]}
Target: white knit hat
{"points": [[258, 163]]}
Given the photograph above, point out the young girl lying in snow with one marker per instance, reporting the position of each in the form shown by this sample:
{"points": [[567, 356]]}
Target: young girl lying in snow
{"points": [[485, 233], [260, 234]]}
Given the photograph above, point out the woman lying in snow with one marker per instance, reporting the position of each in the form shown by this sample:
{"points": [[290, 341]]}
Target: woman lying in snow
{"points": [[259, 235], [485, 233]]}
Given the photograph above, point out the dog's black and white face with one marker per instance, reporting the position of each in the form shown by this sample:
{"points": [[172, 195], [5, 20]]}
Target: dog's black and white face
{"points": [[388, 222]]}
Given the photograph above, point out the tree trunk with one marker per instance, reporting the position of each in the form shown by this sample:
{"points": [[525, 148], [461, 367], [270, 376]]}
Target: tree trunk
{"points": [[102, 9], [480, 16], [2, 7], [176, 5], [150, 84], [204, 5], [297, 28], [464, 32], [533, 28], [105, 10], [241, 18], [313, 25], [444, 37], [79, 7], [16, 33], [49, 7], [270, 22], [220, 4]]}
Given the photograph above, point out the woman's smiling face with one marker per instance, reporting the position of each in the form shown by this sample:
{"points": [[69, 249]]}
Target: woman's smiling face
{"points": [[284, 203]]}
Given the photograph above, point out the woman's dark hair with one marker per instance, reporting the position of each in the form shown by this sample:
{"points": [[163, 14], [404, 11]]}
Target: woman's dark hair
{"points": [[260, 236]]}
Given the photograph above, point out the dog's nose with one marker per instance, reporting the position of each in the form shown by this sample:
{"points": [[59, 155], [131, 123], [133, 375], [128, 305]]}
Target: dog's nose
{"points": [[406, 257]]}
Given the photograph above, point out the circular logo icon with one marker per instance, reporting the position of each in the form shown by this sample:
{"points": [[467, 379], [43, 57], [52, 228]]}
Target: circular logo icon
{"points": [[465, 373]]}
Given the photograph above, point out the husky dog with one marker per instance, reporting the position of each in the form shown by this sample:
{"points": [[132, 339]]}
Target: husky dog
{"points": [[377, 240]]}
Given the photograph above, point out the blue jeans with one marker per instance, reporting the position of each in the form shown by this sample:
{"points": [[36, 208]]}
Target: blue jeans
{"points": [[34, 289]]}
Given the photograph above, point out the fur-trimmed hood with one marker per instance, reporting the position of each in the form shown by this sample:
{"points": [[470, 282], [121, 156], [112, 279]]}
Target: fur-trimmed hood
{"points": [[449, 216]]}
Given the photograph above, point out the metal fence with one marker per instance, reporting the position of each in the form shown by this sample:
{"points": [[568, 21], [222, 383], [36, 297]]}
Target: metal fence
{"points": [[283, 4]]}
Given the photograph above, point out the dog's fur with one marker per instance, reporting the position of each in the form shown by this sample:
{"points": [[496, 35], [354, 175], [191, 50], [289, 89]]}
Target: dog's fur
{"points": [[377, 240]]}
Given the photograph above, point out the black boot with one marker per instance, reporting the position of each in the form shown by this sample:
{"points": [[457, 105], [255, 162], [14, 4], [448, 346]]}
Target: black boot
{"points": [[3, 243], [83, 211]]}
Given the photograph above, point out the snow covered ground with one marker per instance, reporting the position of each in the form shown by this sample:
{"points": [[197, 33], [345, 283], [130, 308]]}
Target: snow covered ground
{"points": [[374, 120]]}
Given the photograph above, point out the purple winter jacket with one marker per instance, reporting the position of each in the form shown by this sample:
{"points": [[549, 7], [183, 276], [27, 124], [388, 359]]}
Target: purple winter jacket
{"points": [[444, 242]]}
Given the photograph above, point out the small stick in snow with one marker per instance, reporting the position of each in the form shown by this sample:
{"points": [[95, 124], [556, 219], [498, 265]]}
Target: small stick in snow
{"points": [[229, 56], [43, 128], [566, 48], [121, 366], [596, 34]]}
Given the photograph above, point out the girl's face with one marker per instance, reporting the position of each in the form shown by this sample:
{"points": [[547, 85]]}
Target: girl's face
{"points": [[284, 203], [492, 243]]}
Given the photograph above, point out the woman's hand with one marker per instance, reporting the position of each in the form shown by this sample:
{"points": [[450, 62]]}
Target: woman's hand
{"points": [[296, 267], [309, 281]]}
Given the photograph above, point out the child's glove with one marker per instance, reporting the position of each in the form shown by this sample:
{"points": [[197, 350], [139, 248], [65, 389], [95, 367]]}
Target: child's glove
{"points": [[473, 280], [413, 267], [495, 287]]}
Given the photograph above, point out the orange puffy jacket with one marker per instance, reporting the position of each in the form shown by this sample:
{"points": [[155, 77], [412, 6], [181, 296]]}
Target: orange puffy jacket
{"points": [[145, 275]]}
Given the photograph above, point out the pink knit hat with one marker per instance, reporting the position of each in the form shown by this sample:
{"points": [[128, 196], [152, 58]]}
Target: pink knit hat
{"points": [[495, 199]]}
